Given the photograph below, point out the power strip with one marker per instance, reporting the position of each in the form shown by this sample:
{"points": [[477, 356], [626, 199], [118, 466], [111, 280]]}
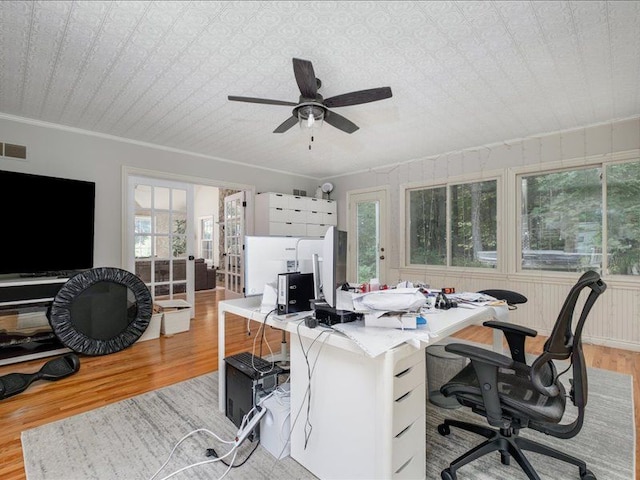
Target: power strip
{"points": [[253, 422]]}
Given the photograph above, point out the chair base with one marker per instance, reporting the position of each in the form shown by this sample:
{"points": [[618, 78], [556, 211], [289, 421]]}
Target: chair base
{"points": [[509, 444]]}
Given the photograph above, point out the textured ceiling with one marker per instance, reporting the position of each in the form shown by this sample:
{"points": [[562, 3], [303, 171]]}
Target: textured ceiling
{"points": [[463, 74]]}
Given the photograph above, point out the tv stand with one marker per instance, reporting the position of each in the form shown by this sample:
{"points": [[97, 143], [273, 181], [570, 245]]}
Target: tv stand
{"points": [[25, 333]]}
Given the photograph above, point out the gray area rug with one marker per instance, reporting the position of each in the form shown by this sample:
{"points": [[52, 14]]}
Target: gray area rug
{"points": [[131, 439]]}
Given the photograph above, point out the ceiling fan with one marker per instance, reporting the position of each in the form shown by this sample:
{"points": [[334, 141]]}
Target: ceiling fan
{"points": [[311, 107]]}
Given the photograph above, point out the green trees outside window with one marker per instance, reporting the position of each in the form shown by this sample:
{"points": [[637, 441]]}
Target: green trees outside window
{"points": [[471, 222], [623, 218], [568, 220]]}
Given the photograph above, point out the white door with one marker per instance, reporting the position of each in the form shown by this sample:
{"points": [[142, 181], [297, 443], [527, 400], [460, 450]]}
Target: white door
{"points": [[160, 237], [367, 217], [234, 218]]}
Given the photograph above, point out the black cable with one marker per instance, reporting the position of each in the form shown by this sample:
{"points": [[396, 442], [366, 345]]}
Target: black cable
{"points": [[212, 453], [262, 326]]}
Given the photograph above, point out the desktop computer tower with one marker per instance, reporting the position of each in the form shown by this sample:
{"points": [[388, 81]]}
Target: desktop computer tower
{"points": [[245, 386]]}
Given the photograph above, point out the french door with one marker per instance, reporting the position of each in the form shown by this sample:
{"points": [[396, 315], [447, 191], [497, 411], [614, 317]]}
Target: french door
{"points": [[234, 231], [367, 220], [160, 237]]}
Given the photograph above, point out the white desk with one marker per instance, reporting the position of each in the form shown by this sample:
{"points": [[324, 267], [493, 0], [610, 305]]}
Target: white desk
{"points": [[367, 414]]}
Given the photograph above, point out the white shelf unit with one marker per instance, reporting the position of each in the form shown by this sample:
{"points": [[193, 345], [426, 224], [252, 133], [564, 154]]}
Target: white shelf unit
{"points": [[25, 300], [293, 215]]}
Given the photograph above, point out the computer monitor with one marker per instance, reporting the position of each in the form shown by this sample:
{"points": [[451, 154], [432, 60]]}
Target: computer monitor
{"points": [[268, 256], [333, 266]]}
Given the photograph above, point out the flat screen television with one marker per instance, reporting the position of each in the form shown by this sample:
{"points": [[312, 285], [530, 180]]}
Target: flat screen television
{"points": [[47, 224]]}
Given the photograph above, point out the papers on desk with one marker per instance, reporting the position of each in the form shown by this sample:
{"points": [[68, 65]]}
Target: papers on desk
{"points": [[399, 320], [406, 299], [376, 341]]}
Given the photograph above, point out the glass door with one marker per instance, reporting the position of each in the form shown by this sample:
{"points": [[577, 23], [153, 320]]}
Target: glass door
{"points": [[367, 235], [234, 218], [161, 237]]}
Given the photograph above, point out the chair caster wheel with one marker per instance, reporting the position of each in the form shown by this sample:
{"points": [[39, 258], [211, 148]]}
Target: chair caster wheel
{"points": [[444, 430], [446, 474], [588, 475]]}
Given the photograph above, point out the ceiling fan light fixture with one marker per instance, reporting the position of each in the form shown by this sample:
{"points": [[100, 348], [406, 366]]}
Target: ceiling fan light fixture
{"points": [[310, 116]]}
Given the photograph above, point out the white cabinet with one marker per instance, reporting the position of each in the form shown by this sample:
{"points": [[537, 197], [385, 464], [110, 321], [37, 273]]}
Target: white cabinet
{"points": [[293, 215], [368, 414]]}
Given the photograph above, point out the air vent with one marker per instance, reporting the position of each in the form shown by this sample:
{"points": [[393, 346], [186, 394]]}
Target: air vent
{"points": [[15, 151]]}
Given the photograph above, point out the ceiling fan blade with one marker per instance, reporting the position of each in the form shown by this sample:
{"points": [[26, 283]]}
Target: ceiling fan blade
{"points": [[341, 123], [261, 100], [305, 77], [286, 125], [356, 98]]}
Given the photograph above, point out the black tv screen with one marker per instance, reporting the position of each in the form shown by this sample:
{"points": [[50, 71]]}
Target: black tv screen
{"points": [[47, 224]]}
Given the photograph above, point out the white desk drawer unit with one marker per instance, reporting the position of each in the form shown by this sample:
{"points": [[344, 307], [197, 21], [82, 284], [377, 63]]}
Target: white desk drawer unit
{"points": [[408, 458], [379, 433], [292, 215]]}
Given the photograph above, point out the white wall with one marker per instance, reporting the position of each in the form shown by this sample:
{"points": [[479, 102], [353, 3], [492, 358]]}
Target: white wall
{"points": [[616, 319], [73, 154]]}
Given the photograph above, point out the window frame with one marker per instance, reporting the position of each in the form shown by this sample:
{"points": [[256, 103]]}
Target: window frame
{"points": [[405, 189], [509, 249], [515, 181], [202, 240]]}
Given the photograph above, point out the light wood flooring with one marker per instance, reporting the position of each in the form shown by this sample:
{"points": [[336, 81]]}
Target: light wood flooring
{"points": [[156, 363]]}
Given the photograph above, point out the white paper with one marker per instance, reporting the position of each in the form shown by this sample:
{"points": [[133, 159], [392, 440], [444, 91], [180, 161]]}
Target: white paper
{"points": [[408, 299], [376, 341]]}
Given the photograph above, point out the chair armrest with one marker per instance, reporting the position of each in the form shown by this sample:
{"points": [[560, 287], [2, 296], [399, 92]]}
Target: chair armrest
{"points": [[486, 364], [515, 335], [511, 327], [480, 354]]}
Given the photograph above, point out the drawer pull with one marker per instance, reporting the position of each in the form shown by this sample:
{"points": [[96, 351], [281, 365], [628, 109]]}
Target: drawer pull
{"points": [[403, 397], [404, 465], [404, 372]]}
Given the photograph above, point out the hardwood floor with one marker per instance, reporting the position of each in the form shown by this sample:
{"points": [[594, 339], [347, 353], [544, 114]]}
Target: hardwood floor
{"points": [[157, 363]]}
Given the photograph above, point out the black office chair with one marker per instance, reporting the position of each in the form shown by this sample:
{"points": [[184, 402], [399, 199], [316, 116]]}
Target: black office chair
{"points": [[513, 395], [512, 298]]}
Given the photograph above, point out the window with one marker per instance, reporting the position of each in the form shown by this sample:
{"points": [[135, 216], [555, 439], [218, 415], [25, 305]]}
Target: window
{"points": [[142, 235], [206, 238], [561, 217], [453, 225], [561, 220], [623, 218]]}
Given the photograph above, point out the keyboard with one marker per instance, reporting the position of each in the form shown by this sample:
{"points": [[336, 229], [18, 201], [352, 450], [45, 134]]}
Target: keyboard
{"points": [[253, 366]]}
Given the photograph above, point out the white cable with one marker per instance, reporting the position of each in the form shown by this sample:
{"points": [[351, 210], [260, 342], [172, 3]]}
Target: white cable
{"points": [[199, 463], [204, 462], [253, 351], [295, 420]]}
